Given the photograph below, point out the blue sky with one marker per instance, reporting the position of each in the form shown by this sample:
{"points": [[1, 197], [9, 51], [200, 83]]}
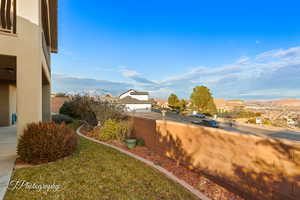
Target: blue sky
{"points": [[239, 49]]}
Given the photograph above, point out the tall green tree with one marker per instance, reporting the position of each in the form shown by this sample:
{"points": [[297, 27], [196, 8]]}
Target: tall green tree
{"points": [[173, 101], [202, 100], [182, 105]]}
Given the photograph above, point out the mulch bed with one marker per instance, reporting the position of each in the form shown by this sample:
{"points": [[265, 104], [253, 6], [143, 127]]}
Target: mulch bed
{"points": [[21, 162], [198, 181]]}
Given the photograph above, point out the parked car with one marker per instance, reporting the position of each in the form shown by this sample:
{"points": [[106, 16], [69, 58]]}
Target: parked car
{"points": [[177, 111], [208, 123], [201, 116], [156, 110]]}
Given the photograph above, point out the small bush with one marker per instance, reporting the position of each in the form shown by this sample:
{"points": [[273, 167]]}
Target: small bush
{"points": [[239, 114], [46, 142], [113, 130], [251, 121], [140, 142], [75, 124], [267, 122], [80, 107], [68, 108], [62, 119]]}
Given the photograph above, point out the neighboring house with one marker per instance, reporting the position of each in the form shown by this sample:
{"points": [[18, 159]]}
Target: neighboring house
{"points": [[28, 35], [143, 96], [135, 101], [259, 121], [163, 103], [290, 121], [57, 102]]}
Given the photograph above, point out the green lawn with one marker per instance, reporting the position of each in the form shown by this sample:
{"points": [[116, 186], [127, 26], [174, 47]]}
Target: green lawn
{"points": [[98, 172]]}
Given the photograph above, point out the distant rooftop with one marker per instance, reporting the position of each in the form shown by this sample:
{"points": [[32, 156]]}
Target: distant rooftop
{"points": [[139, 93], [134, 92], [130, 100]]}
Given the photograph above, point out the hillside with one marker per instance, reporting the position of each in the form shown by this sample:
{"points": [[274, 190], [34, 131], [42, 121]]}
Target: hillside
{"points": [[286, 102]]}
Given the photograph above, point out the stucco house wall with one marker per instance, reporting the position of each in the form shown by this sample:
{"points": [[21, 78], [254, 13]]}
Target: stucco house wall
{"points": [[135, 101], [141, 97], [32, 67]]}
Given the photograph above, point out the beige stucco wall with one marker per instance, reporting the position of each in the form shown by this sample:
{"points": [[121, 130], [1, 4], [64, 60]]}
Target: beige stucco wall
{"points": [[255, 167], [46, 102], [4, 104], [26, 45]]}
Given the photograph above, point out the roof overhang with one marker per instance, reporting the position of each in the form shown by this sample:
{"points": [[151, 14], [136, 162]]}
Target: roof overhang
{"points": [[54, 25]]}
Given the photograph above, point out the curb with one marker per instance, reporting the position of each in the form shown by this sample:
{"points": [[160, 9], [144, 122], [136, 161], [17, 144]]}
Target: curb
{"points": [[151, 164]]}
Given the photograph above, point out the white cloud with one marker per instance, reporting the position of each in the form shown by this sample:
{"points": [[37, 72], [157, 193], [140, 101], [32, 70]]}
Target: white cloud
{"points": [[66, 52], [67, 83], [273, 92], [161, 92], [291, 53], [136, 77], [272, 74], [273, 70], [243, 60], [129, 73]]}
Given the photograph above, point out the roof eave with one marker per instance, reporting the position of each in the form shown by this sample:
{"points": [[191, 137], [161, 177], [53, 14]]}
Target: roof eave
{"points": [[54, 26]]}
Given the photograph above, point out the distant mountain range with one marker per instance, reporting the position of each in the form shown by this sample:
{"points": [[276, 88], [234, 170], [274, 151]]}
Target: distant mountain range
{"points": [[95, 92], [280, 102], [286, 102]]}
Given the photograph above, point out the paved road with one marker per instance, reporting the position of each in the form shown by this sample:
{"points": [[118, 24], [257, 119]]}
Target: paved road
{"points": [[262, 131], [8, 142], [237, 127]]}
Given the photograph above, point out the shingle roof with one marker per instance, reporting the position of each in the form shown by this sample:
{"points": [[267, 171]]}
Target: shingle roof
{"points": [[126, 92], [54, 25], [139, 93], [130, 100]]}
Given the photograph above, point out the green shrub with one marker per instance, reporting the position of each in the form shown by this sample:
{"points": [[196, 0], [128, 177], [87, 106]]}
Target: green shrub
{"points": [[251, 121], [140, 142], [69, 109], [267, 122], [80, 107], [239, 114], [113, 130], [62, 118], [46, 142], [75, 124]]}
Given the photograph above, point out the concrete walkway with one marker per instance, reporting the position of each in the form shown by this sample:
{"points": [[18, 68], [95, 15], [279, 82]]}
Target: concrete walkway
{"points": [[8, 155]]}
